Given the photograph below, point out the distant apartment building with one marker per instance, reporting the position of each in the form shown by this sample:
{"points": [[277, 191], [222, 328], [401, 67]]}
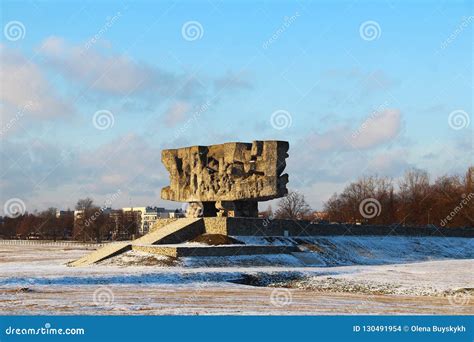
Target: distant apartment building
{"points": [[135, 216], [64, 213], [116, 225], [65, 222], [176, 213], [130, 221], [147, 216]]}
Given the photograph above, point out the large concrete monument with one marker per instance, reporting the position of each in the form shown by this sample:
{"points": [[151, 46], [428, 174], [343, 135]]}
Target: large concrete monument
{"points": [[227, 179]]}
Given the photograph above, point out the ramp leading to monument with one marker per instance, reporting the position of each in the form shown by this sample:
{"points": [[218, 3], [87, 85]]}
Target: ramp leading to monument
{"points": [[102, 253], [178, 231]]}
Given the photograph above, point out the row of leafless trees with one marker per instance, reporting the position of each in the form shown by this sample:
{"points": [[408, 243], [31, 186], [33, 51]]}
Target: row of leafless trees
{"points": [[42, 225], [92, 223], [448, 201], [414, 201]]}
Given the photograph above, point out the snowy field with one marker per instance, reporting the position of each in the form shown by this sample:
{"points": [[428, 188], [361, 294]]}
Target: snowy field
{"points": [[341, 275]]}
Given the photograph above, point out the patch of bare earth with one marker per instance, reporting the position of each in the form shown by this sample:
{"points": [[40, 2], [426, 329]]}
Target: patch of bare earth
{"points": [[216, 240]]}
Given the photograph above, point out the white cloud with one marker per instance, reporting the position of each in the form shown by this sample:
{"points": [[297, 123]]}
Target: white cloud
{"points": [[34, 168], [176, 113], [117, 75], [26, 91], [375, 130], [389, 163]]}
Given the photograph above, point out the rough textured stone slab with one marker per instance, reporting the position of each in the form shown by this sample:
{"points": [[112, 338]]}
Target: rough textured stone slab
{"points": [[227, 172]]}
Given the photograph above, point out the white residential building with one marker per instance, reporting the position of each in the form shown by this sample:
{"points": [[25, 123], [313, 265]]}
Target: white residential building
{"points": [[149, 215]]}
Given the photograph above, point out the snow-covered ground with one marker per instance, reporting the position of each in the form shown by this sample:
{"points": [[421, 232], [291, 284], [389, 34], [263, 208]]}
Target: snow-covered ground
{"points": [[398, 275], [371, 250]]}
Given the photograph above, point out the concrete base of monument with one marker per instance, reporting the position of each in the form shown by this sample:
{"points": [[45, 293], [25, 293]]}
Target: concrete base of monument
{"points": [[171, 237], [177, 251], [247, 226]]}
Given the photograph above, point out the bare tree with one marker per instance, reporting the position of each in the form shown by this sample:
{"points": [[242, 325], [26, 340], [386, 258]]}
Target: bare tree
{"points": [[85, 203], [82, 228], [293, 206], [414, 197], [49, 224]]}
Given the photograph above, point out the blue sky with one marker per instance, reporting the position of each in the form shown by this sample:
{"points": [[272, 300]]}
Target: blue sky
{"points": [[360, 88]]}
